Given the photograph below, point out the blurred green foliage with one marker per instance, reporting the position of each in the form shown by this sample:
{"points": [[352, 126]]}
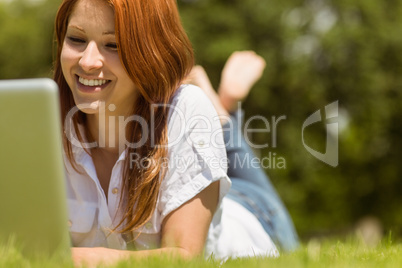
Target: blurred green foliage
{"points": [[317, 52], [26, 34]]}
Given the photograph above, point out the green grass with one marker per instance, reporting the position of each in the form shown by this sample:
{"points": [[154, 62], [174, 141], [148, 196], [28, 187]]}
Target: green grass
{"points": [[351, 253]]}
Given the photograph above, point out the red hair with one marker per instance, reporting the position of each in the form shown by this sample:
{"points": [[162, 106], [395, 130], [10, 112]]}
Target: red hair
{"points": [[157, 55]]}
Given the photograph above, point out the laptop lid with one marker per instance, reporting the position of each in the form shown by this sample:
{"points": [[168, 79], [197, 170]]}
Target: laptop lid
{"points": [[33, 210]]}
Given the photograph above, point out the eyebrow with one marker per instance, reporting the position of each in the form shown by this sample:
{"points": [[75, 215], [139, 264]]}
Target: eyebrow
{"points": [[82, 30], [109, 33], [76, 27]]}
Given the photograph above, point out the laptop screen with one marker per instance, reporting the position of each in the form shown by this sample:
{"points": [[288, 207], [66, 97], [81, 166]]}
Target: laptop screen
{"points": [[33, 211]]}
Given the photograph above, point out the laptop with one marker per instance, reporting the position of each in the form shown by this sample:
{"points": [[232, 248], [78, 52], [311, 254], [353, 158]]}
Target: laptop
{"points": [[33, 206]]}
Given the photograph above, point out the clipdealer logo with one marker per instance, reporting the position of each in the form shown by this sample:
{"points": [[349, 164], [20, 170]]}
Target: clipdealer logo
{"points": [[204, 123], [331, 155]]}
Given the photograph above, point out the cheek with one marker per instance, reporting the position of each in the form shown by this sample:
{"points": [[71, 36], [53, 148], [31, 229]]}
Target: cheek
{"points": [[116, 65], [120, 71], [66, 61], [63, 58], [128, 83], [67, 57]]}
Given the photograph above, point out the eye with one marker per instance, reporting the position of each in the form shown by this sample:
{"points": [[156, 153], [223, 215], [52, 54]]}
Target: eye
{"points": [[112, 46], [76, 40]]}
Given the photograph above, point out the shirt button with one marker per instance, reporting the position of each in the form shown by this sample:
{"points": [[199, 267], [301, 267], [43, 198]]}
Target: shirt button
{"points": [[148, 225], [115, 190], [201, 143], [70, 223]]}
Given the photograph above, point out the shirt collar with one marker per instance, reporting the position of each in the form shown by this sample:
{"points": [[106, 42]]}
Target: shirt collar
{"points": [[79, 152]]}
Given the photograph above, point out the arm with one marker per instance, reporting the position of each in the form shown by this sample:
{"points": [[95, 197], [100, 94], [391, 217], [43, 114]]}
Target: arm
{"points": [[184, 232]]}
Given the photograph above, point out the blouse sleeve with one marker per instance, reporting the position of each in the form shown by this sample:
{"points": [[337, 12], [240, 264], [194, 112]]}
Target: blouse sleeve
{"points": [[196, 152]]}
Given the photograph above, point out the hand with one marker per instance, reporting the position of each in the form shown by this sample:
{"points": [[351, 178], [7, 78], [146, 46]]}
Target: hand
{"points": [[91, 257]]}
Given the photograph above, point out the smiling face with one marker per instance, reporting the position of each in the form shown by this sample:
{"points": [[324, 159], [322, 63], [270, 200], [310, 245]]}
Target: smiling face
{"points": [[90, 60]]}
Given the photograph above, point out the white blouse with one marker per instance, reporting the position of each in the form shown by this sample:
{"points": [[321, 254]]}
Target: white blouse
{"points": [[197, 157]]}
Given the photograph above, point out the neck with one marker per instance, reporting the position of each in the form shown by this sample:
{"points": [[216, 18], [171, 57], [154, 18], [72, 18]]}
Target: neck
{"points": [[107, 128]]}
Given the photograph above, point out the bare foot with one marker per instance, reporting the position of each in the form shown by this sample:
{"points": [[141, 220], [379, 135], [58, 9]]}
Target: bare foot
{"points": [[241, 71], [199, 77]]}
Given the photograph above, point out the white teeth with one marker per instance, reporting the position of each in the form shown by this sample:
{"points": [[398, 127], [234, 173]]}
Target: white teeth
{"points": [[92, 82]]}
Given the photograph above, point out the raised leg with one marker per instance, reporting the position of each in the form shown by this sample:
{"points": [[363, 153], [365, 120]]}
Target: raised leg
{"points": [[251, 186], [241, 71]]}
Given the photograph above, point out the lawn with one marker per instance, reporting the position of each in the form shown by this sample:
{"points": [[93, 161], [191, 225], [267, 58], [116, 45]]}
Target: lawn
{"points": [[326, 253]]}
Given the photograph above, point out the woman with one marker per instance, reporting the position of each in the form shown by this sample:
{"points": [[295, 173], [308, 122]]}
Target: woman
{"points": [[138, 146]]}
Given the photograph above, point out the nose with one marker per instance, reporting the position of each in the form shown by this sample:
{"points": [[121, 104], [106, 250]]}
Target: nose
{"points": [[91, 58]]}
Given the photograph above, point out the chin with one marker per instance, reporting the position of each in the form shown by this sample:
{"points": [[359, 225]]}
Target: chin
{"points": [[90, 106]]}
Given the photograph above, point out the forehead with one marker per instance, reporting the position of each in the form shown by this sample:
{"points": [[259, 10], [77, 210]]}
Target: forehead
{"points": [[96, 13]]}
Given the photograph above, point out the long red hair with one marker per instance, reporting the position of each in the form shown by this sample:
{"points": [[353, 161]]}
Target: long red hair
{"points": [[157, 55]]}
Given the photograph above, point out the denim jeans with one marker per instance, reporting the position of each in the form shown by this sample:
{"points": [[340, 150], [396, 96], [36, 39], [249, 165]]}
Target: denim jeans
{"points": [[252, 189]]}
